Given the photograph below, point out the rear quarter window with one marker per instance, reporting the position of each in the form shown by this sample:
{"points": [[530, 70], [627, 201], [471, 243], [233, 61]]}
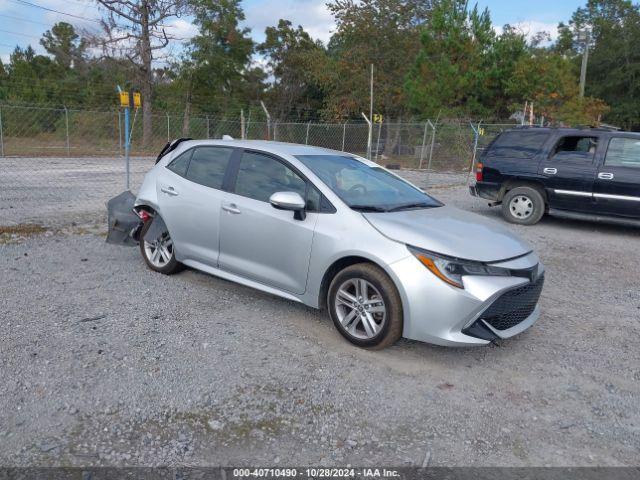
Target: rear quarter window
{"points": [[518, 144], [623, 152], [180, 163], [208, 166]]}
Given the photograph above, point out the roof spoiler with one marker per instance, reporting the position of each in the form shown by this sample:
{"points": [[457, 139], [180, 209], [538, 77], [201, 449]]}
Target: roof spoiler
{"points": [[170, 147]]}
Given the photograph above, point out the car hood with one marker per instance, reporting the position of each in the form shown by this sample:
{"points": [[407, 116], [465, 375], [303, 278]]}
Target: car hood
{"points": [[450, 231]]}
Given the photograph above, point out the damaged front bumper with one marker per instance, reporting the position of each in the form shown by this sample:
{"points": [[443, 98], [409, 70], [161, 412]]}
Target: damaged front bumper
{"points": [[124, 223]]}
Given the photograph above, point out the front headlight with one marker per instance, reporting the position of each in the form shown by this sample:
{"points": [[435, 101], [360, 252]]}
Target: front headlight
{"points": [[451, 270]]}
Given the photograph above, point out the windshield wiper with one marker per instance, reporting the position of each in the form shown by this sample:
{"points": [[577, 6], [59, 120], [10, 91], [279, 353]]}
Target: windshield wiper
{"points": [[410, 205], [368, 208]]}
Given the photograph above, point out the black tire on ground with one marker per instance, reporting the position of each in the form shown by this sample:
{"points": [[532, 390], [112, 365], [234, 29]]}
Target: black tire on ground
{"points": [[171, 267], [523, 205], [391, 330]]}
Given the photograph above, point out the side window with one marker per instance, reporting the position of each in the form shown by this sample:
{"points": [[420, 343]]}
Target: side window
{"points": [[313, 199], [623, 152], [208, 166], [260, 176], [316, 202], [180, 163], [518, 144], [575, 148]]}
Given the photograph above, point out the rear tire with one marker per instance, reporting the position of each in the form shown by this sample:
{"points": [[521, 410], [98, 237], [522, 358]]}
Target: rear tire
{"points": [[160, 256], [365, 306], [523, 205]]}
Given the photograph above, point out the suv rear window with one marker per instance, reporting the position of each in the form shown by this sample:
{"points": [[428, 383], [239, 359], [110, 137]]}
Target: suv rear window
{"points": [[623, 152], [525, 144]]}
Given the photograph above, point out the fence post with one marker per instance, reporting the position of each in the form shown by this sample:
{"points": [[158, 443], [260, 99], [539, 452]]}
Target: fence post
{"points": [[433, 139], [378, 142], [1, 136], [306, 139], [208, 132], [66, 122], [275, 130], [242, 126], [168, 128], [369, 139], [424, 144], [344, 134], [476, 134], [266, 113]]}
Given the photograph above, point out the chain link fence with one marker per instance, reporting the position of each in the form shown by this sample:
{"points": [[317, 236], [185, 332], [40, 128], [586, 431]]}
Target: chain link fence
{"points": [[60, 165]]}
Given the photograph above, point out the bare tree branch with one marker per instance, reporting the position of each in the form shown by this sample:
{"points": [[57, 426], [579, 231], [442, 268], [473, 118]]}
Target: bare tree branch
{"points": [[134, 29]]}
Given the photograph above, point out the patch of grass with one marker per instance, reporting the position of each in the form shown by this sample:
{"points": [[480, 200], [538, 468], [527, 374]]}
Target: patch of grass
{"points": [[26, 229], [12, 233]]}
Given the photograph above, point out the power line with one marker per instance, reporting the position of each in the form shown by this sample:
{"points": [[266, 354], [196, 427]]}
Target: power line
{"points": [[30, 4], [24, 20], [20, 34], [24, 2]]}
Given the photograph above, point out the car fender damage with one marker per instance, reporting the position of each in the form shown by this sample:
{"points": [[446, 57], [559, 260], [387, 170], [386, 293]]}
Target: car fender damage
{"points": [[156, 230]]}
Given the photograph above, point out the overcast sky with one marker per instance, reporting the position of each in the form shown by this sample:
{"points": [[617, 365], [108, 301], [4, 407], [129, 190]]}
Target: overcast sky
{"points": [[22, 24]]}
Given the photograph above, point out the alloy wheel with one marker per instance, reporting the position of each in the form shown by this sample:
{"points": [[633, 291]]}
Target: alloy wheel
{"points": [[160, 251], [360, 308]]}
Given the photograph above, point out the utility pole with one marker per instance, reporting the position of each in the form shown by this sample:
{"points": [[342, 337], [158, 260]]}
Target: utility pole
{"points": [[585, 37], [370, 139], [371, 95]]}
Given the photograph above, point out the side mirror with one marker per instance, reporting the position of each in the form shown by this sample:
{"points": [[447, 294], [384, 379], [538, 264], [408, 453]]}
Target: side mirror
{"points": [[289, 201]]}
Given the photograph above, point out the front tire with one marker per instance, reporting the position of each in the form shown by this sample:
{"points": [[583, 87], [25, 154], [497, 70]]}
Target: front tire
{"points": [[365, 306], [159, 254], [523, 205]]}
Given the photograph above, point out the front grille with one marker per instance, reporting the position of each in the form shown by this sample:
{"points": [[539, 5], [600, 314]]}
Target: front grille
{"points": [[513, 306]]}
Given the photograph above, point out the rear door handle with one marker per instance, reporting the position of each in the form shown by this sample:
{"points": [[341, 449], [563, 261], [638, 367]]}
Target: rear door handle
{"points": [[169, 191], [605, 176], [231, 208], [550, 171]]}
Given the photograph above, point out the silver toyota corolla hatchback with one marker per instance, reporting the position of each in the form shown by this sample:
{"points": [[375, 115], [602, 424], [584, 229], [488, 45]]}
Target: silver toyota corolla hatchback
{"points": [[333, 230]]}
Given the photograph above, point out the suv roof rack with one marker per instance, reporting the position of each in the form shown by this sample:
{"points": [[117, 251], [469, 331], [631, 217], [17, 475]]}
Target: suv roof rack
{"points": [[170, 147]]}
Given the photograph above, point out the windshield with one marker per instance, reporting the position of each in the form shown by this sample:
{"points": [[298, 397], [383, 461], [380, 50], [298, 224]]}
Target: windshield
{"points": [[366, 187]]}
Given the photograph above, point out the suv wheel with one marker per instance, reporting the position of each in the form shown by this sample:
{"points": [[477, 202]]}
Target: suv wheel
{"points": [[523, 205], [365, 306]]}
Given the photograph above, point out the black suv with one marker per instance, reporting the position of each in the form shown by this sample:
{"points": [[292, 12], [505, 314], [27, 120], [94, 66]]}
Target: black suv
{"points": [[579, 173]]}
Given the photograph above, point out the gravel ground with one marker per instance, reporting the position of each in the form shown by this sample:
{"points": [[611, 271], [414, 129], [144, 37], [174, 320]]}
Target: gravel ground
{"points": [[107, 363]]}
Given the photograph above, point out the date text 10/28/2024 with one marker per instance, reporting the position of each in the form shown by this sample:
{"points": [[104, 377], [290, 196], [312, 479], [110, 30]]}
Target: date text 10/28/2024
{"points": [[314, 473]]}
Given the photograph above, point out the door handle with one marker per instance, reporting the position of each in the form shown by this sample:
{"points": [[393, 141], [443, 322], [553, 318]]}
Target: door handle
{"points": [[169, 191], [605, 176], [550, 171], [231, 208]]}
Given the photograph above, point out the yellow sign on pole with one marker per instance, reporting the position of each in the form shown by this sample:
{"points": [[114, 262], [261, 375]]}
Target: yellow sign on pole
{"points": [[124, 99], [377, 118], [137, 100]]}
